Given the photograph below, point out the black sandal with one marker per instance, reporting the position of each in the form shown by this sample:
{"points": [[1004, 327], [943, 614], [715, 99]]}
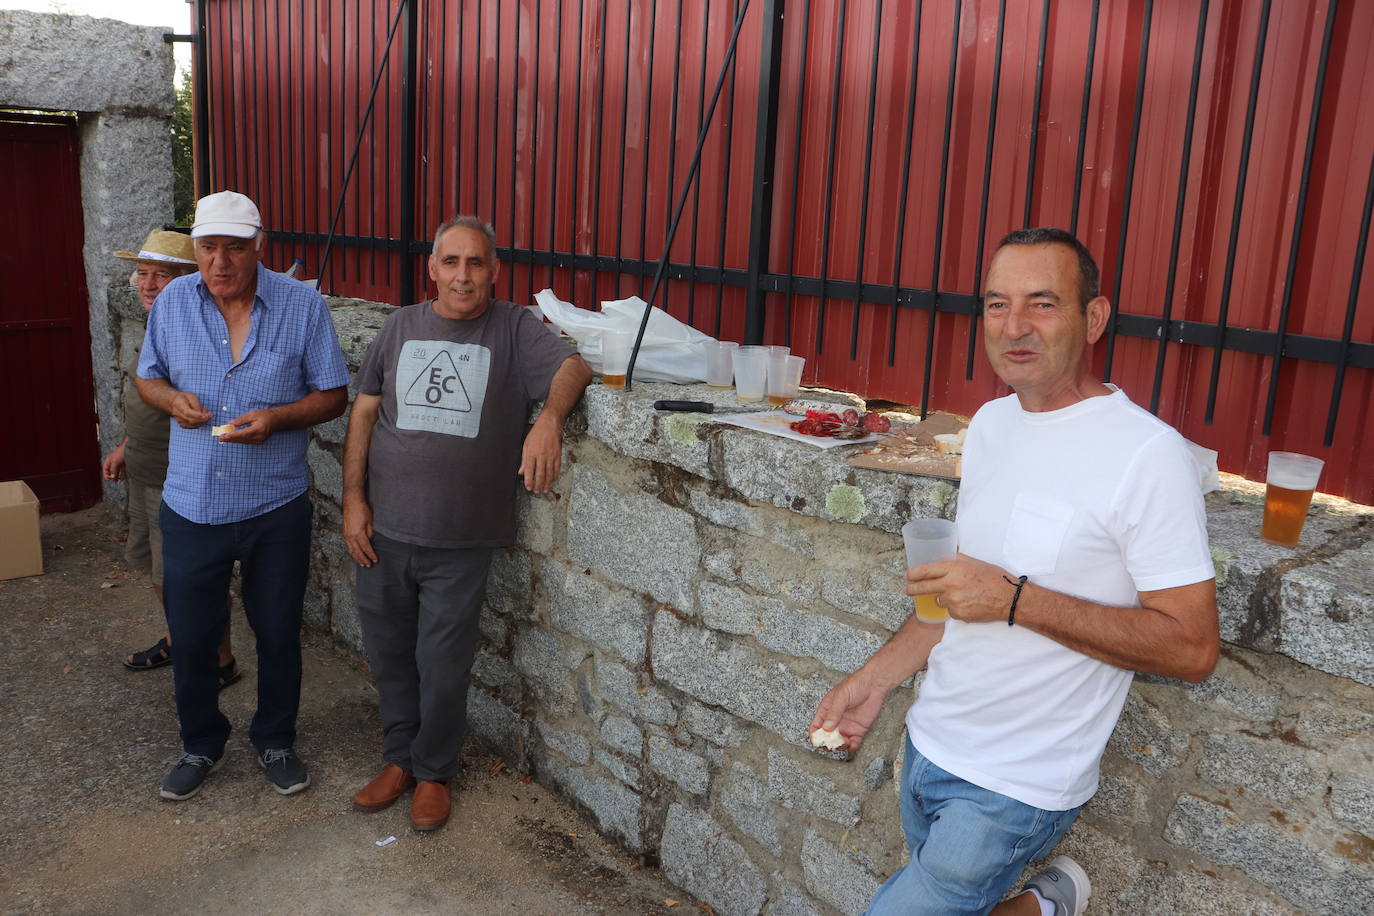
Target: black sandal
{"points": [[160, 654], [229, 674]]}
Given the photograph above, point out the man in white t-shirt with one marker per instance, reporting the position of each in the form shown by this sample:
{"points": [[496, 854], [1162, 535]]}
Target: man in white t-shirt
{"points": [[1082, 557]]}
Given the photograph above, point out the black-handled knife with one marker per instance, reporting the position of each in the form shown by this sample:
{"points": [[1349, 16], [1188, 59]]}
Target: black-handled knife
{"points": [[693, 406]]}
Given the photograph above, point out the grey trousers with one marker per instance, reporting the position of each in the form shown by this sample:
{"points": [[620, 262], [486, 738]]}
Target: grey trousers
{"points": [[419, 608]]}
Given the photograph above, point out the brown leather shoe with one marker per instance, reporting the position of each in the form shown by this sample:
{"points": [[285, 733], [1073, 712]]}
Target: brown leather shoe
{"points": [[385, 789], [429, 807]]}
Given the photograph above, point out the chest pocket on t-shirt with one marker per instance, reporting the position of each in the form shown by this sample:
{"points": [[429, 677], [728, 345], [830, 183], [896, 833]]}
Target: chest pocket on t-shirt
{"points": [[272, 378], [1035, 532]]}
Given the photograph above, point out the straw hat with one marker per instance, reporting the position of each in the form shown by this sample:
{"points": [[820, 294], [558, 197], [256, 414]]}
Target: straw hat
{"points": [[164, 246], [226, 213]]}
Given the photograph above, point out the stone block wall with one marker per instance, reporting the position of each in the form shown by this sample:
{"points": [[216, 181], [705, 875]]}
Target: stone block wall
{"points": [[655, 644]]}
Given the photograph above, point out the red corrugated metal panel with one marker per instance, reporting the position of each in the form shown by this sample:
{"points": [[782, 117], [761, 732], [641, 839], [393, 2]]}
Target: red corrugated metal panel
{"points": [[570, 124]]}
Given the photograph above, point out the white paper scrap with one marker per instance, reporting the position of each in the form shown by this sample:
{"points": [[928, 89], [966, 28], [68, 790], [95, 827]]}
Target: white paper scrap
{"points": [[387, 842]]}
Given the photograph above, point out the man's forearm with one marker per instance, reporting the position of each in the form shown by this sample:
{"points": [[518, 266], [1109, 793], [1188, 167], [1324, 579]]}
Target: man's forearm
{"points": [[357, 443], [565, 388], [315, 407], [157, 393], [904, 654]]}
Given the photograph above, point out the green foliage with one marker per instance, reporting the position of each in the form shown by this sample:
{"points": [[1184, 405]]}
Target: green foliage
{"points": [[183, 164]]}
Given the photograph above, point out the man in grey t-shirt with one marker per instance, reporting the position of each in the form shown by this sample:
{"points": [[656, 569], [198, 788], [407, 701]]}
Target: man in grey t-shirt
{"points": [[435, 441]]}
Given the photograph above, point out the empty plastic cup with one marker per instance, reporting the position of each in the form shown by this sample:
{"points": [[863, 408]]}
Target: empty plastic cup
{"points": [[1287, 494], [784, 377], [751, 373], [615, 357], [720, 363], [928, 540]]}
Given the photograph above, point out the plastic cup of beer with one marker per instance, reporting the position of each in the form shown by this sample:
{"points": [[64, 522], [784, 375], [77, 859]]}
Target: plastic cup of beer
{"points": [[720, 363], [751, 373], [784, 377], [615, 357], [1287, 494], [929, 540]]}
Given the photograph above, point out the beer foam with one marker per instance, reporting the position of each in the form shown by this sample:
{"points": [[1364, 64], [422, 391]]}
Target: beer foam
{"points": [[1293, 480]]}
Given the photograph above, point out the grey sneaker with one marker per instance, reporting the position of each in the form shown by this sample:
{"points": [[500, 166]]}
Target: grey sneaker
{"points": [[1064, 883], [188, 774], [285, 770]]}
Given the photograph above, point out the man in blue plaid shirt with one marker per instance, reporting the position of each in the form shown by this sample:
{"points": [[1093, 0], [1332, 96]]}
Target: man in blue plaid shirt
{"points": [[245, 361]]}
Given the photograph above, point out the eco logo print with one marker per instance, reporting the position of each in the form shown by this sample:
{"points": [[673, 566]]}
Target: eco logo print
{"points": [[440, 386]]}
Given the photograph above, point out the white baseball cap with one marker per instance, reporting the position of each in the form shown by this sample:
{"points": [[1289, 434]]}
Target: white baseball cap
{"points": [[226, 213]]}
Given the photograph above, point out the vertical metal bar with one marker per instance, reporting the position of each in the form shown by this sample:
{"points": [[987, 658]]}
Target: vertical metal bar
{"points": [[438, 74], [596, 154], [576, 170], [1130, 188], [279, 198], [867, 182], [648, 137], [1300, 217], [1035, 114], [702, 128], [459, 68], [534, 141], [1183, 170], [1257, 71], [479, 133], [987, 183], [496, 115], [725, 195], [908, 132], [940, 213], [384, 67], [624, 138], [672, 134], [408, 95], [372, 146], [1083, 118], [686, 186], [830, 176], [765, 157], [796, 172], [201, 92], [1351, 303], [557, 140], [514, 140]]}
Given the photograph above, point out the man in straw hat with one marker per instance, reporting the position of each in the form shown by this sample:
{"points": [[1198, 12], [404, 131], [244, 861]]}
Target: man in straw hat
{"points": [[245, 360], [142, 456]]}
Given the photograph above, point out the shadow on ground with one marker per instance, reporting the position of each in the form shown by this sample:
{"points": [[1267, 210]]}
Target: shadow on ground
{"points": [[83, 831]]}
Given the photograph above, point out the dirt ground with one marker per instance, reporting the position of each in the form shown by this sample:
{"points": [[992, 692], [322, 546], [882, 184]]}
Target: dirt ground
{"points": [[83, 831]]}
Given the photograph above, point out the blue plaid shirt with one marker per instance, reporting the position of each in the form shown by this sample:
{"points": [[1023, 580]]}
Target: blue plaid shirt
{"points": [[291, 350]]}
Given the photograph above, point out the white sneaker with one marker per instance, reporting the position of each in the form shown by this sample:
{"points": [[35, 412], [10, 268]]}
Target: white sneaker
{"points": [[1065, 884]]}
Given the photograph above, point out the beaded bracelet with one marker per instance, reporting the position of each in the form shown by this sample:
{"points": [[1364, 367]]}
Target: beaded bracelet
{"points": [[1018, 582]]}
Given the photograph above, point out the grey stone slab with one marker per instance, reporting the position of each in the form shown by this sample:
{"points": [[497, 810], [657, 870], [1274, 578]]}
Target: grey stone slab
{"points": [[662, 563], [326, 475], [837, 645], [492, 670], [679, 764], [796, 787], [1269, 768], [1145, 736], [628, 424], [882, 601], [732, 610], [1236, 689], [698, 855], [789, 900], [1323, 722], [1328, 615], [497, 725], [1352, 796], [546, 659], [622, 735], [510, 582], [759, 522], [745, 682], [835, 877], [620, 768], [357, 324], [570, 744], [877, 772], [714, 725], [1119, 799], [1308, 877], [582, 605], [624, 688], [615, 807], [784, 579], [749, 805], [721, 564], [495, 630], [537, 517], [1190, 892]]}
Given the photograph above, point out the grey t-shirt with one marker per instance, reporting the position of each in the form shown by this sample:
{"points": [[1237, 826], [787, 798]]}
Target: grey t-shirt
{"points": [[441, 468]]}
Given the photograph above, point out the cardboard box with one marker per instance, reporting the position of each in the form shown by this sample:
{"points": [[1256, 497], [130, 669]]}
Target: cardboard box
{"points": [[21, 551]]}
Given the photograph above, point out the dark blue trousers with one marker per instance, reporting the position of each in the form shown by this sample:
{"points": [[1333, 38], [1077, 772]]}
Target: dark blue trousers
{"points": [[273, 552]]}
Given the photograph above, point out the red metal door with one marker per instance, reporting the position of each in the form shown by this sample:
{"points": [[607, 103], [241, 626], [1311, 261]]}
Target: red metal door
{"points": [[47, 416]]}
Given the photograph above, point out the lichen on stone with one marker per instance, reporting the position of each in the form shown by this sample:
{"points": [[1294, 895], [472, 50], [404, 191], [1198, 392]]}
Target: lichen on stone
{"points": [[1221, 560], [845, 502]]}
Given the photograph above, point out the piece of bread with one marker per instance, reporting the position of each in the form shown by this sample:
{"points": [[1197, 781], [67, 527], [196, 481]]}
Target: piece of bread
{"points": [[950, 443], [218, 431], [830, 739]]}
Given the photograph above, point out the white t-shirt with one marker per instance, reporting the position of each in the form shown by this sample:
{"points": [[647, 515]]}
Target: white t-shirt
{"points": [[1099, 500]]}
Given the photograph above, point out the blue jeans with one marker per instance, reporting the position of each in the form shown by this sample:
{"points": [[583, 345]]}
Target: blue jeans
{"points": [[273, 553], [968, 844]]}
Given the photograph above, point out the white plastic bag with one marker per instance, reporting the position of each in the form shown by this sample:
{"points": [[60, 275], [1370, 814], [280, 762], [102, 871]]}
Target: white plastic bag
{"points": [[671, 351]]}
